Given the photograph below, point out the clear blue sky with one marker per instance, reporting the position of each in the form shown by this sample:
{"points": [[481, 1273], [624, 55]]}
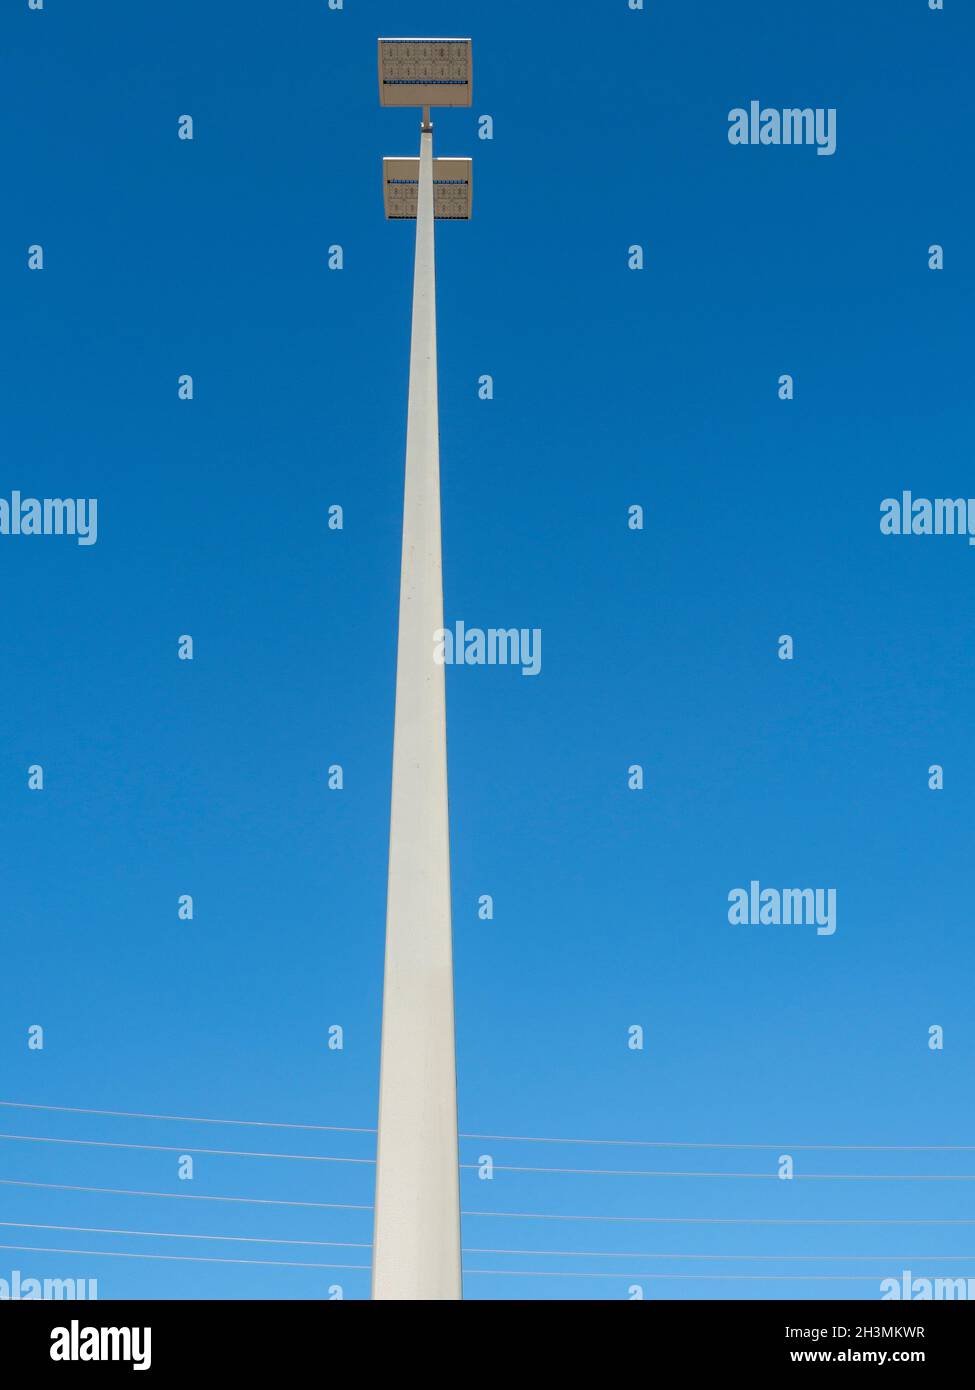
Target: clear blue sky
{"points": [[612, 387]]}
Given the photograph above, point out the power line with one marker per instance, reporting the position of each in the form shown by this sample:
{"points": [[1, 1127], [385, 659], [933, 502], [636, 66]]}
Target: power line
{"points": [[189, 1235], [517, 1215], [185, 1196], [186, 1119], [664, 1255], [693, 1173], [601, 1274], [703, 1144], [467, 1249], [740, 1220], [511, 1273], [195, 1259], [182, 1148], [502, 1168], [512, 1138]]}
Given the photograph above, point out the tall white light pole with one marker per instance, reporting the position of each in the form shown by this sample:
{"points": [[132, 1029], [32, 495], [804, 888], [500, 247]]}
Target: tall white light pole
{"points": [[416, 1243]]}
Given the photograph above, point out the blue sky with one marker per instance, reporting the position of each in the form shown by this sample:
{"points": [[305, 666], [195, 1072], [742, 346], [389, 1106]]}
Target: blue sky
{"points": [[612, 387]]}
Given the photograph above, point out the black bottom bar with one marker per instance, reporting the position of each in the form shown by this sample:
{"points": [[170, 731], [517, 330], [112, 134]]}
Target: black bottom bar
{"points": [[222, 1338]]}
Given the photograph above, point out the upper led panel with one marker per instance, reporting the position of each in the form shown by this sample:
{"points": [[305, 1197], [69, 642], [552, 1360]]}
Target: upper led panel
{"points": [[425, 72], [451, 189]]}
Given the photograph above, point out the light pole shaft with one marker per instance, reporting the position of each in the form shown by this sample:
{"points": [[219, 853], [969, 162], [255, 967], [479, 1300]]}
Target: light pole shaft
{"points": [[416, 1250]]}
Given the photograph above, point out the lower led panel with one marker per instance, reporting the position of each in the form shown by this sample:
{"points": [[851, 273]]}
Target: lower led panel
{"points": [[452, 192]]}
